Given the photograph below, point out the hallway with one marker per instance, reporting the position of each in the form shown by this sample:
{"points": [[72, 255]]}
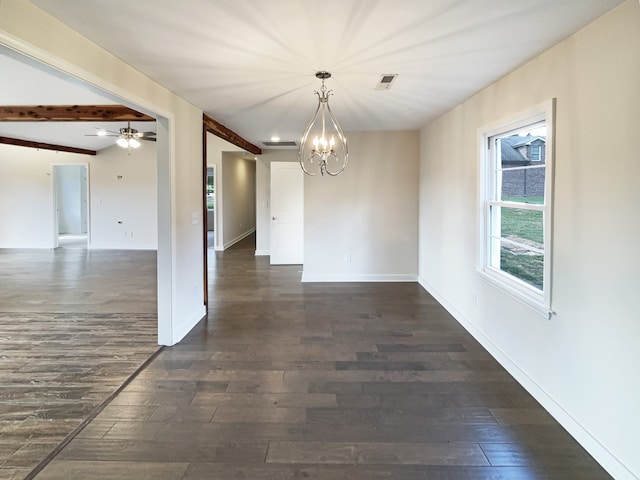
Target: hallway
{"points": [[286, 380]]}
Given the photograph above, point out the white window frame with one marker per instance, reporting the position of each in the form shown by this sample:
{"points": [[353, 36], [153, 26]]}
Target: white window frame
{"points": [[536, 299]]}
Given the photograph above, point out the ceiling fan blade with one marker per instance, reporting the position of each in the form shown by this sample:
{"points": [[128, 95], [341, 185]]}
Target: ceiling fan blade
{"points": [[145, 135], [107, 131], [148, 139], [96, 135]]}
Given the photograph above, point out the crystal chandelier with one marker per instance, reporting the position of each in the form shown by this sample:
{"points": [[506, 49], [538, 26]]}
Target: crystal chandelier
{"points": [[323, 147]]}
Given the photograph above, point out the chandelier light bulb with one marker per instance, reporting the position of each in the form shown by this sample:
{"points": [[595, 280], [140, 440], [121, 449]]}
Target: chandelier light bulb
{"points": [[327, 152], [133, 143], [123, 142]]}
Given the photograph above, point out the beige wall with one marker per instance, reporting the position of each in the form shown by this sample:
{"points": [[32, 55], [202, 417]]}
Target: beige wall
{"points": [[239, 197], [582, 364], [215, 148], [369, 212]]}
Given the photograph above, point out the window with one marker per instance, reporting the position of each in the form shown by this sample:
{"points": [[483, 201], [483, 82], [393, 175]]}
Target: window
{"points": [[535, 153], [515, 239]]}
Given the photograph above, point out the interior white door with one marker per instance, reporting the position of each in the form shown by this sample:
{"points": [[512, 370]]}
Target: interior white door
{"points": [[287, 213]]}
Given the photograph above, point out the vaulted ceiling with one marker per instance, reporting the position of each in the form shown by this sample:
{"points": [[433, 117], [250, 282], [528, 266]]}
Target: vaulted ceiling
{"points": [[250, 64]]}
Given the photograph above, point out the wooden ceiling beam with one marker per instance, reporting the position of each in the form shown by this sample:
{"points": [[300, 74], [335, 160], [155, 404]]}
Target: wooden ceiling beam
{"points": [[71, 113], [45, 146], [219, 130]]}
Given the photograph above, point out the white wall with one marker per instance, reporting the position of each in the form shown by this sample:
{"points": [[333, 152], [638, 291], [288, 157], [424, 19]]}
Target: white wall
{"points": [[124, 203], [369, 212], [26, 195], [27, 211], [239, 198], [582, 364], [28, 30]]}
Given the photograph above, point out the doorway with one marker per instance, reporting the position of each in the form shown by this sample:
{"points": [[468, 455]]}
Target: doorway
{"points": [[287, 214], [211, 206], [71, 206]]}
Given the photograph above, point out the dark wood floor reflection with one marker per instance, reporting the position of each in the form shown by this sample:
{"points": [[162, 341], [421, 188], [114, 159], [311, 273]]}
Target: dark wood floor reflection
{"points": [[321, 381], [56, 367]]}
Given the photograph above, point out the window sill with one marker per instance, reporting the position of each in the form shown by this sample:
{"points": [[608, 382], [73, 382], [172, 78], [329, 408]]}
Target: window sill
{"points": [[518, 293]]}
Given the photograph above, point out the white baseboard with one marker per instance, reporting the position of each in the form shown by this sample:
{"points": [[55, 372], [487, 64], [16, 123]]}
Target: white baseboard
{"points": [[231, 243], [123, 246], [359, 278], [187, 324], [263, 253], [605, 458]]}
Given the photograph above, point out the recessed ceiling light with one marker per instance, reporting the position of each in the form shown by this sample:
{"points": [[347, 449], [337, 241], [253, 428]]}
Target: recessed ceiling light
{"points": [[275, 139]]}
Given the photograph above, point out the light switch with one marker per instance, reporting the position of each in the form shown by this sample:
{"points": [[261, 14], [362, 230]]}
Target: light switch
{"points": [[195, 218]]}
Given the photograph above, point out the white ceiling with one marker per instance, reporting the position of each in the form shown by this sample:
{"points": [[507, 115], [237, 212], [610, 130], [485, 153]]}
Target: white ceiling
{"points": [[250, 64], [25, 82]]}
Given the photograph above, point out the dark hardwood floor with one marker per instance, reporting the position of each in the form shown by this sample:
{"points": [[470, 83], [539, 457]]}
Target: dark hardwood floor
{"points": [[63, 348], [286, 380]]}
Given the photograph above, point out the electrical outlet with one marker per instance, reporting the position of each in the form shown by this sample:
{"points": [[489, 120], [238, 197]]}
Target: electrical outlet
{"points": [[347, 258]]}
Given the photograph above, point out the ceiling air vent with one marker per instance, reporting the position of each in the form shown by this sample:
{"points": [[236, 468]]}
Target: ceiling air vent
{"points": [[280, 144], [386, 80]]}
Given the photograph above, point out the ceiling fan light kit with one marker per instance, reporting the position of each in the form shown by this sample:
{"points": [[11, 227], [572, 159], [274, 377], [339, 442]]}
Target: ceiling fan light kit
{"points": [[323, 148], [126, 143], [127, 137]]}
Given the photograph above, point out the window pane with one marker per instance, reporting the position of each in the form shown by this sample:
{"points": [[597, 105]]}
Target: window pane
{"points": [[523, 185], [520, 156], [524, 264], [522, 226], [517, 243]]}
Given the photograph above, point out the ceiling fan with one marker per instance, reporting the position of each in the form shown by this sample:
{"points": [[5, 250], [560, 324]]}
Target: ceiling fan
{"points": [[128, 137]]}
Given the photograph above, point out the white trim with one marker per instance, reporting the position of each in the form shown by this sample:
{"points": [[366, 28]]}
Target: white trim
{"points": [[231, 243], [358, 277], [115, 246], [263, 253], [181, 330], [524, 294], [537, 299], [598, 451]]}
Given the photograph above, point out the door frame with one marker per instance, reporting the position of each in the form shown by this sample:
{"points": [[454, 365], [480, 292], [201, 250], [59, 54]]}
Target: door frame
{"points": [[272, 221], [87, 197], [205, 229]]}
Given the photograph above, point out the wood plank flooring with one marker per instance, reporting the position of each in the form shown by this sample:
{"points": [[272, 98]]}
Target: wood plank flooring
{"points": [[286, 380], [57, 368]]}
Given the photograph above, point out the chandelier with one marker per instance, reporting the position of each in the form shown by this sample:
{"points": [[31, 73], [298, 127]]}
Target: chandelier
{"points": [[323, 147]]}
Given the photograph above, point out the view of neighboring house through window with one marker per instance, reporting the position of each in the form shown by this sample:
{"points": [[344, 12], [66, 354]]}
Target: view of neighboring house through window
{"points": [[516, 206]]}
